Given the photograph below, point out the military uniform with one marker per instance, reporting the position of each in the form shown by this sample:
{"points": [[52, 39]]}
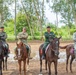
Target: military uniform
{"points": [[74, 39], [47, 41], [3, 37]]}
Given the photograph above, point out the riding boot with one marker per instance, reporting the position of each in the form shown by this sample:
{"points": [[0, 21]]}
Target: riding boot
{"points": [[28, 51], [58, 57], [43, 56], [15, 57]]}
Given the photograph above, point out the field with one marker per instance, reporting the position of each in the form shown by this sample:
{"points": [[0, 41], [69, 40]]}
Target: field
{"points": [[34, 63]]}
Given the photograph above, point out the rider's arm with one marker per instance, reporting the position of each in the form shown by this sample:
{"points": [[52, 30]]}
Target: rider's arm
{"points": [[4, 36], [19, 36], [46, 35], [25, 36]]}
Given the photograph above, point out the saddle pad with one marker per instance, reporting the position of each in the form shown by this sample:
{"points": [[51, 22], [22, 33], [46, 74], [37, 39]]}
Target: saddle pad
{"points": [[47, 48], [72, 51]]}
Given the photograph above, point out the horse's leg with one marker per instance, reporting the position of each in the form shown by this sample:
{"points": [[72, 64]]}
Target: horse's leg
{"points": [[3, 63], [40, 64], [45, 64], [6, 63], [67, 62], [72, 58], [19, 62], [28, 63], [1, 67], [55, 65], [49, 66], [24, 66]]}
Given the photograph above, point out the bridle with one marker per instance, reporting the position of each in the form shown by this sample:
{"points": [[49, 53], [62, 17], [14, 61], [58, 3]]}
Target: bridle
{"points": [[54, 44]]}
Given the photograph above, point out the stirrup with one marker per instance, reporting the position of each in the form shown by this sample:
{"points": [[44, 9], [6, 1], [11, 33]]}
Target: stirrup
{"points": [[15, 58]]}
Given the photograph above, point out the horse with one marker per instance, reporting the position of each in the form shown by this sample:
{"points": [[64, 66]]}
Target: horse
{"points": [[5, 58], [22, 55], [69, 52], [1, 56], [52, 54]]}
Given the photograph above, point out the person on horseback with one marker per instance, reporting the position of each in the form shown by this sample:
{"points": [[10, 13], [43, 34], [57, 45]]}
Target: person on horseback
{"points": [[22, 36], [3, 37], [74, 39], [47, 34]]}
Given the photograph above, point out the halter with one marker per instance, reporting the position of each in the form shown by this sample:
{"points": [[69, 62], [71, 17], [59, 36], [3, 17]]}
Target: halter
{"points": [[54, 43], [20, 50]]}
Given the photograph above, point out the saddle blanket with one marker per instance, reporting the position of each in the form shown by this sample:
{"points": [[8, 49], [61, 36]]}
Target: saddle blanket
{"points": [[72, 51], [47, 48]]}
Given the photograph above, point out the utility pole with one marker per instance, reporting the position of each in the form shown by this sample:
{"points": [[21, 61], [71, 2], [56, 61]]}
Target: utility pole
{"points": [[15, 22]]}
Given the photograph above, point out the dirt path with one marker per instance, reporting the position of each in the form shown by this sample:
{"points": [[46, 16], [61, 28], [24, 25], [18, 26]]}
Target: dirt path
{"points": [[34, 64]]}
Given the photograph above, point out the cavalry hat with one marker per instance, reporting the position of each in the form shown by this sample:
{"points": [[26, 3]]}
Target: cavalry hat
{"points": [[48, 27]]}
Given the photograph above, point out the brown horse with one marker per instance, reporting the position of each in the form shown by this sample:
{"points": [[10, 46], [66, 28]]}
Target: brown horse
{"points": [[22, 55], [51, 55], [69, 52]]}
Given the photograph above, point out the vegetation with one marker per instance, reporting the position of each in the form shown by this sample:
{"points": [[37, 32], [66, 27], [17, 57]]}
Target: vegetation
{"points": [[31, 14]]}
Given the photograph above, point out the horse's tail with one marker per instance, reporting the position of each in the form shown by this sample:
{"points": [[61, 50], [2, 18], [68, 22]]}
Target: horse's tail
{"points": [[64, 47]]}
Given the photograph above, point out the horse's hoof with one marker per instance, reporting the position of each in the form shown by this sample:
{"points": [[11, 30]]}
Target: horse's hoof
{"points": [[71, 71], [40, 74]]}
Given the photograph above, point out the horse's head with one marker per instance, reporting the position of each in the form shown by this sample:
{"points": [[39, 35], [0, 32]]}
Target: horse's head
{"points": [[19, 49], [55, 45]]}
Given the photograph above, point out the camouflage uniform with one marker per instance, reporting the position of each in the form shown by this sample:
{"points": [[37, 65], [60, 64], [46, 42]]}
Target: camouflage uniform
{"points": [[74, 39], [23, 37]]}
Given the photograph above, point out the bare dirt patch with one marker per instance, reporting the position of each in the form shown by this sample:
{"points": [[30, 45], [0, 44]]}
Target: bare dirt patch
{"points": [[34, 64]]}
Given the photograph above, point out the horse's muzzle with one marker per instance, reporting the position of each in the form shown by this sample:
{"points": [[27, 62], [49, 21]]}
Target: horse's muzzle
{"points": [[19, 57], [56, 52]]}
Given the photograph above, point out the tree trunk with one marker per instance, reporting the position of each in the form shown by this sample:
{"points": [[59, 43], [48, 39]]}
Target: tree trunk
{"points": [[27, 19]]}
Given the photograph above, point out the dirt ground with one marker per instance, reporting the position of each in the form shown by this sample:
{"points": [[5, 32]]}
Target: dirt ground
{"points": [[34, 64]]}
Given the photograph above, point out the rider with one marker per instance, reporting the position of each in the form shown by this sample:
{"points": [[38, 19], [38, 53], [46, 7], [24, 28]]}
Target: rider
{"points": [[22, 36], [47, 34], [74, 39], [3, 37]]}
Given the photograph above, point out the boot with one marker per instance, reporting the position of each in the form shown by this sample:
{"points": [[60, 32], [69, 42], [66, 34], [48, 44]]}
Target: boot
{"points": [[15, 57], [43, 56]]}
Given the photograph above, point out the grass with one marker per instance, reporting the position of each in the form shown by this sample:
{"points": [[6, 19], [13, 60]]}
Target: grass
{"points": [[11, 38]]}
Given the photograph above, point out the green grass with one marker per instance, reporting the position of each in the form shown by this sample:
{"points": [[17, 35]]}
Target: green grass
{"points": [[11, 38]]}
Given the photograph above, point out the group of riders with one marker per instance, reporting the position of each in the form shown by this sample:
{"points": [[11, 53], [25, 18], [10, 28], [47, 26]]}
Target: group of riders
{"points": [[22, 37]]}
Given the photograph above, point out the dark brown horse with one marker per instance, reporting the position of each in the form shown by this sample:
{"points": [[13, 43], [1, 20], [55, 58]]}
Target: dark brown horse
{"points": [[69, 52], [1, 56], [22, 55], [51, 55]]}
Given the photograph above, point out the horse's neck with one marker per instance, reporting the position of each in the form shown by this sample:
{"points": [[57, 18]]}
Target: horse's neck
{"points": [[50, 50]]}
